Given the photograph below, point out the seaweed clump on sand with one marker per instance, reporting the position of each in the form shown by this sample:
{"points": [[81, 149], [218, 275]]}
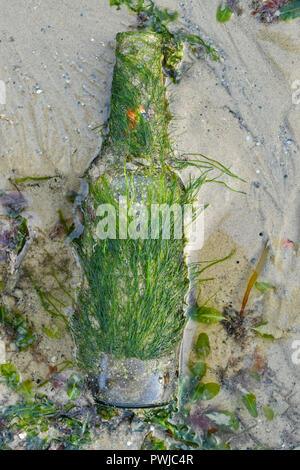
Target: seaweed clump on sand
{"points": [[269, 10], [14, 231]]}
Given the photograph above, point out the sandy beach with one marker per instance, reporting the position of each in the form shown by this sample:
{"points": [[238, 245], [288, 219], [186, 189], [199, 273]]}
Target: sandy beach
{"points": [[57, 64]]}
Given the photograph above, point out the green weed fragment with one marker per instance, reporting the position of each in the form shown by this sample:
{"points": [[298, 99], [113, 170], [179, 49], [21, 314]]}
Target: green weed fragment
{"points": [[169, 420], [36, 414], [263, 286], [26, 389], [22, 234], [290, 11], [65, 227], [74, 386], [153, 443], [206, 391], [48, 304], [249, 401], [207, 315], [10, 375], [211, 443], [33, 178], [60, 367], [224, 419], [18, 328], [223, 14], [202, 346], [262, 331], [54, 332], [198, 369], [268, 413], [106, 412]]}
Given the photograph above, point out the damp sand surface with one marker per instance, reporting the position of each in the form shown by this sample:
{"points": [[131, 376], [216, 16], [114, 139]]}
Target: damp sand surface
{"points": [[57, 65]]}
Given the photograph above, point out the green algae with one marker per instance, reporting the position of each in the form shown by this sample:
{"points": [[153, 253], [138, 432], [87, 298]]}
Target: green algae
{"points": [[17, 328], [154, 19], [134, 299], [139, 113]]}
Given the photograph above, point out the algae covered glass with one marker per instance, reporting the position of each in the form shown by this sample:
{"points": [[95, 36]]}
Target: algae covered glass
{"points": [[130, 313]]}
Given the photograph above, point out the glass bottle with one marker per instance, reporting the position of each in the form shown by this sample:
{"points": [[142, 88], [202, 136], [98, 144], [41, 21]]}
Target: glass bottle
{"points": [[130, 313]]}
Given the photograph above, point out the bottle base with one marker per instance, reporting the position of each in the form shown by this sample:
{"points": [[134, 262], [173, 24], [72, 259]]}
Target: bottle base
{"points": [[135, 383]]}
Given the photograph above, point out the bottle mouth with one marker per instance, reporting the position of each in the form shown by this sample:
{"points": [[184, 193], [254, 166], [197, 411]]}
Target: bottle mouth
{"points": [[135, 383]]}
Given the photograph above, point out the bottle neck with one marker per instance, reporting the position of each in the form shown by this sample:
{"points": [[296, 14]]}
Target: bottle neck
{"points": [[139, 116]]}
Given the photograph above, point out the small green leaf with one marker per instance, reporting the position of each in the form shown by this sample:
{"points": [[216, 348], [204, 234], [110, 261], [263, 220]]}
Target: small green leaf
{"points": [[74, 386], [198, 369], [223, 14], [26, 389], [268, 413], [263, 286], [206, 315], [21, 234], [33, 178], [153, 443], [290, 11], [54, 332], [261, 331], [249, 401], [11, 375], [106, 412], [202, 346], [206, 391], [224, 419]]}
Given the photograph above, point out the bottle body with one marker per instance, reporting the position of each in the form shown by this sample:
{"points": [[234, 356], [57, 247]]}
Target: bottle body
{"points": [[131, 308]]}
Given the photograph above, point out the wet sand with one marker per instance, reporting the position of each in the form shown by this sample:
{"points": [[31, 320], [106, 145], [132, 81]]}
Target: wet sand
{"points": [[57, 65]]}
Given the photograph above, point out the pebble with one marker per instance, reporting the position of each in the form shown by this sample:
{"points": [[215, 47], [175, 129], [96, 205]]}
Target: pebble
{"points": [[18, 293], [9, 301]]}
